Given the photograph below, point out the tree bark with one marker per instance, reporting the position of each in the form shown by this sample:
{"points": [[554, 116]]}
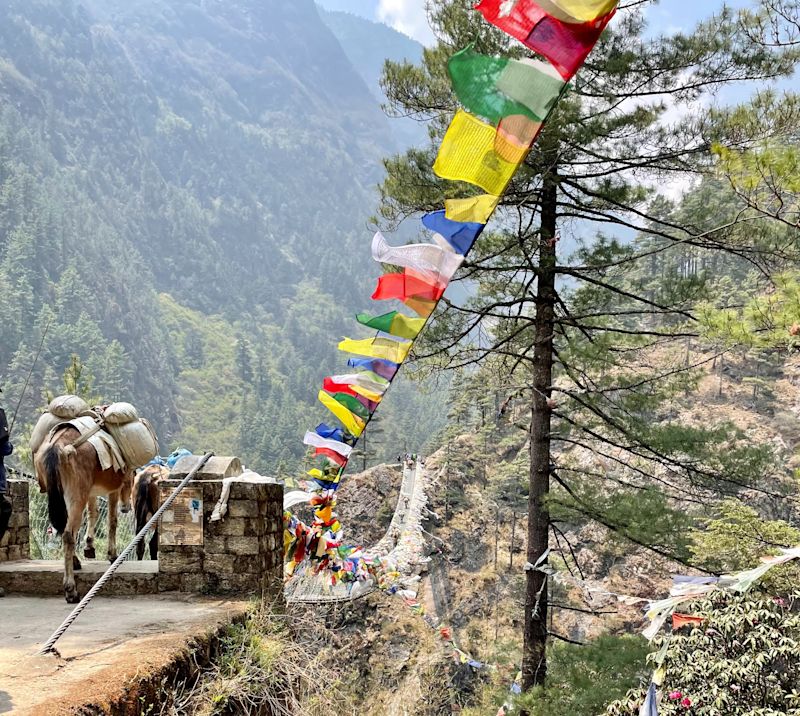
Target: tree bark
{"points": [[534, 659]]}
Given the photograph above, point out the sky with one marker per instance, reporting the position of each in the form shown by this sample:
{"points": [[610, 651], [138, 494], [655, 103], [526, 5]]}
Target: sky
{"points": [[408, 16]]}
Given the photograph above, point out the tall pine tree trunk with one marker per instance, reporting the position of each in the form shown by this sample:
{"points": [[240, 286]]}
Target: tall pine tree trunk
{"points": [[534, 663]]}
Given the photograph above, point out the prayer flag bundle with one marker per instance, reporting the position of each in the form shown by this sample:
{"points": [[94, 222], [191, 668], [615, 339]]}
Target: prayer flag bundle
{"points": [[505, 103]]}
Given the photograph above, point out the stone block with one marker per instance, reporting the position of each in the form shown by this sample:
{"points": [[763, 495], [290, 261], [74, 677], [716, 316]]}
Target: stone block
{"points": [[242, 508], [169, 582], [220, 563], [194, 582], [176, 563], [242, 545], [14, 552], [231, 527]]}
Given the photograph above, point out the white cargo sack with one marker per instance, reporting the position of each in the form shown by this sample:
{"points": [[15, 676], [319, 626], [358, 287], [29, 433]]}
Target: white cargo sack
{"points": [[42, 429], [68, 407], [137, 442], [120, 414]]}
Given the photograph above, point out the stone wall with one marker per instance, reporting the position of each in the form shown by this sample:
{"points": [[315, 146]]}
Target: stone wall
{"points": [[16, 542], [240, 554]]}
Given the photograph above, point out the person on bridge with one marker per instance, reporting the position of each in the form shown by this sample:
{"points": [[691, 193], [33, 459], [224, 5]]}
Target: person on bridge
{"points": [[6, 448]]}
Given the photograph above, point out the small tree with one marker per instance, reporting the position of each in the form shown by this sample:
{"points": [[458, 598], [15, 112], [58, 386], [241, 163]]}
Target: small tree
{"points": [[743, 660]]}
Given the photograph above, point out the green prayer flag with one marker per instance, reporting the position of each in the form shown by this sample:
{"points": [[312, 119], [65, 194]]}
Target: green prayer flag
{"points": [[497, 87], [474, 78], [532, 83], [394, 323], [352, 404]]}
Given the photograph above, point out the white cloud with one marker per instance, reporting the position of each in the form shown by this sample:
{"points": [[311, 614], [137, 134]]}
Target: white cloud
{"points": [[407, 16]]}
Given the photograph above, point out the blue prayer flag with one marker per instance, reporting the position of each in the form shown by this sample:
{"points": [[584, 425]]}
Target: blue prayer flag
{"points": [[459, 235], [384, 368]]}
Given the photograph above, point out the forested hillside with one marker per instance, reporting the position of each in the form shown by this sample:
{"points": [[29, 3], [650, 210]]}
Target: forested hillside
{"points": [[184, 196]]}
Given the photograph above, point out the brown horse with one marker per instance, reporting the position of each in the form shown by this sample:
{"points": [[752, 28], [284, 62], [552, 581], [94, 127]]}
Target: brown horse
{"points": [[73, 478], [146, 501]]}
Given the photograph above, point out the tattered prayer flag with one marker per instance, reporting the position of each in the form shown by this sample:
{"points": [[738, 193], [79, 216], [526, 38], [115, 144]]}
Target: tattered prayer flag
{"points": [[353, 423], [384, 368], [317, 441], [331, 455], [430, 260], [498, 87], [406, 285], [682, 620], [566, 45], [468, 154], [577, 10], [460, 235], [394, 323], [650, 705], [352, 404], [381, 348]]}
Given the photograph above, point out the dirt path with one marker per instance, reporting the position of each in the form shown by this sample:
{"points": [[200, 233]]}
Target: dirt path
{"points": [[112, 645]]}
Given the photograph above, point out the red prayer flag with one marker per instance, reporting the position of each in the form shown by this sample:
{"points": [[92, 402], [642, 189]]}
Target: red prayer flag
{"points": [[406, 285], [682, 620], [333, 456], [332, 387], [565, 44]]}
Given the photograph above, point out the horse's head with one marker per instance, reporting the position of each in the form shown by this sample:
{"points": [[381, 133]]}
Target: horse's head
{"points": [[125, 491]]}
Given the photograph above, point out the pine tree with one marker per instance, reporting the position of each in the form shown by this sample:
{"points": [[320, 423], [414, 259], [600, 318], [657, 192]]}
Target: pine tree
{"points": [[594, 349]]}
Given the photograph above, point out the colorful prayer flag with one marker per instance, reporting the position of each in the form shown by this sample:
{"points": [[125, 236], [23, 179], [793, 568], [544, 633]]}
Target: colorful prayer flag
{"points": [[566, 45], [468, 154], [384, 368], [394, 323], [423, 307], [331, 455], [315, 440], [381, 348], [333, 387], [460, 235], [682, 620], [498, 87], [368, 380], [577, 10], [352, 404], [474, 209], [353, 423], [430, 260], [326, 431], [405, 285]]}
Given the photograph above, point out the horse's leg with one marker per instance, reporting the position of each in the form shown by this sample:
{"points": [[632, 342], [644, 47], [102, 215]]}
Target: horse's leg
{"points": [[113, 502], [71, 562], [89, 551], [154, 544]]}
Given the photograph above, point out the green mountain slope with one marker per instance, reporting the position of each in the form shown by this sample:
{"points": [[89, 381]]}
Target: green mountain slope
{"points": [[221, 154]]}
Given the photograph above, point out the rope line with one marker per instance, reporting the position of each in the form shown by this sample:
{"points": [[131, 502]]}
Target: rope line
{"points": [[75, 613]]}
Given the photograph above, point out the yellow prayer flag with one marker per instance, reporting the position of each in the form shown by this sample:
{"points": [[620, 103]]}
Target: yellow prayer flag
{"points": [[372, 395], [577, 10], [353, 423], [476, 209], [382, 348], [421, 306], [468, 154]]}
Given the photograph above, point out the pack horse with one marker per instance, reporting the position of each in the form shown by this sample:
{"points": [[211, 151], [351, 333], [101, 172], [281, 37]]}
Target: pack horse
{"points": [[77, 461]]}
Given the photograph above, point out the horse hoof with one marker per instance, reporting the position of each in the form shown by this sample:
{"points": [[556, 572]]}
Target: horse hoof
{"points": [[112, 558], [72, 598], [76, 563], [90, 553]]}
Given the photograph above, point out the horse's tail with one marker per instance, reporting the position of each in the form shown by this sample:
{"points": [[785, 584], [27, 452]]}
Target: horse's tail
{"points": [[142, 506], [56, 506]]}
